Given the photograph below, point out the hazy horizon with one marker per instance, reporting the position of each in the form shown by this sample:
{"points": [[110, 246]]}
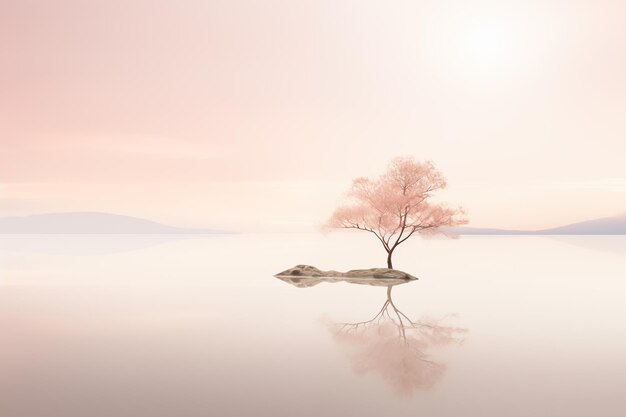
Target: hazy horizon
{"points": [[112, 223]]}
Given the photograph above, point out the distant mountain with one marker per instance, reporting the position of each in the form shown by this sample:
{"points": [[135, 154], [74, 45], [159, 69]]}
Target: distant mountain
{"points": [[88, 223], [604, 226]]}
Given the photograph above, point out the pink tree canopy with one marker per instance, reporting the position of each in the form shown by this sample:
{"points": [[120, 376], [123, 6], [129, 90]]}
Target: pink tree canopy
{"points": [[396, 205]]}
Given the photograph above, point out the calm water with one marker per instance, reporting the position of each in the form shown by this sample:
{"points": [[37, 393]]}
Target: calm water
{"points": [[145, 326]]}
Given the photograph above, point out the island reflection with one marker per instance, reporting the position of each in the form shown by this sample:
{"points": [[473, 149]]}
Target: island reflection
{"points": [[390, 345]]}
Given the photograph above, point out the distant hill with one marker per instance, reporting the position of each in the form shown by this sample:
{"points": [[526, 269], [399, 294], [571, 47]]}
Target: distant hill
{"points": [[605, 226], [88, 223]]}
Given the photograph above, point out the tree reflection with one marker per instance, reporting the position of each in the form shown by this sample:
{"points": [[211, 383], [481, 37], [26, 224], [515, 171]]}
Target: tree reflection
{"points": [[390, 345], [396, 348]]}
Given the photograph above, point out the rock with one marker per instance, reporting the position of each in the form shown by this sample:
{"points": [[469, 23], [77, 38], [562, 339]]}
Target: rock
{"points": [[379, 273], [304, 276]]}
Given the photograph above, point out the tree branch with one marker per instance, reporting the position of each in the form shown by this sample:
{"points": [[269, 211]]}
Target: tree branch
{"points": [[356, 226]]}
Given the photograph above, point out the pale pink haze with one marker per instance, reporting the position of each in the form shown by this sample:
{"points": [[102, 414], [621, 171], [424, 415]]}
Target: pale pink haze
{"points": [[192, 112], [398, 204]]}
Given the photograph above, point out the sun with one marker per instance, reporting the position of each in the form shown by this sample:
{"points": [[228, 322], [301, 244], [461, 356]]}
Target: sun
{"points": [[488, 47], [484, 47]]}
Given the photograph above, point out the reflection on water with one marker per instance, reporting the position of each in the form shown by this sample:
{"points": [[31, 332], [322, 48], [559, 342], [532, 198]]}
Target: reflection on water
{"points": [[391, 345]]}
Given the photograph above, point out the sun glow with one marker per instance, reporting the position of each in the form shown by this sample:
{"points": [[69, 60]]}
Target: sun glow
{"points": [[491, 47], [488, 47]]}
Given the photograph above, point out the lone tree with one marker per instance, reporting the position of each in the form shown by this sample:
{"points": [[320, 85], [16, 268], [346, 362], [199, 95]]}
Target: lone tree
{"points": [[396, 205]]}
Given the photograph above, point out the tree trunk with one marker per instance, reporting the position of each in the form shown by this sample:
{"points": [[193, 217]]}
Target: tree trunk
{"points": [[389, 265]]}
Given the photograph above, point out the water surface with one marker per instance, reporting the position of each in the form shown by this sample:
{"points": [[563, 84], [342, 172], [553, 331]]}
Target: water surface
{"points": [[135, 326]]}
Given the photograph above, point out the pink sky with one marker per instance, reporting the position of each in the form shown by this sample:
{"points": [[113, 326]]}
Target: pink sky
{"points": [[257, 115]]}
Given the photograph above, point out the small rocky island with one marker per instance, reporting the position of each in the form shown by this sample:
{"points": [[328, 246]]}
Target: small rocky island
{"points": [[303, 276]]}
